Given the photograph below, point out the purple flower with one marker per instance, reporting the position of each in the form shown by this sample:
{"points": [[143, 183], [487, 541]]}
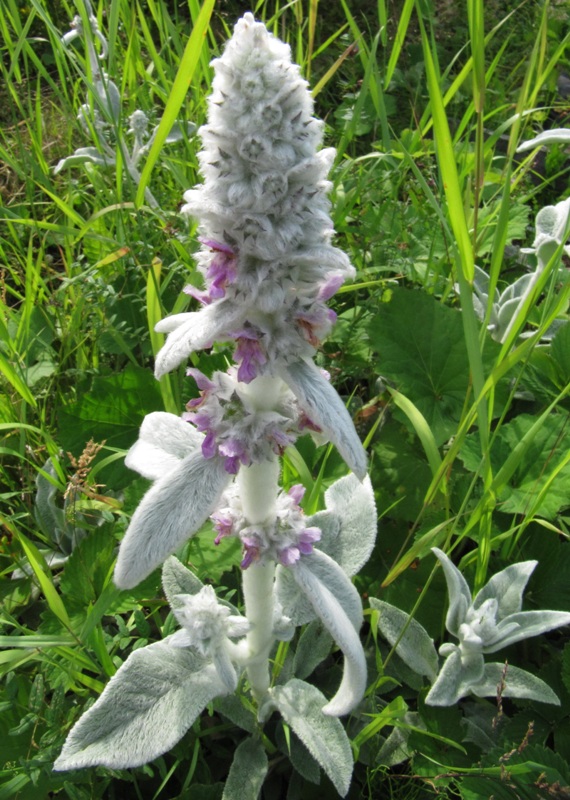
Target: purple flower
{"points": [[198, 294], [315, 323], [289, 555], [202, 382], [224, 525], [251, 552], [330, 286], [222, 270], [307, 538], [296, 493], [236, 454], [209, 447], [250, 353]]}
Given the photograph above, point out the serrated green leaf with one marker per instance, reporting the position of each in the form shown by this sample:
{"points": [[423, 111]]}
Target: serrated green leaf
{"points": [[550, 444]]}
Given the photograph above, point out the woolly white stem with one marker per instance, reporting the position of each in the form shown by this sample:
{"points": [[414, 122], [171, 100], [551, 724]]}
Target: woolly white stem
{"points": [[258, 487]]}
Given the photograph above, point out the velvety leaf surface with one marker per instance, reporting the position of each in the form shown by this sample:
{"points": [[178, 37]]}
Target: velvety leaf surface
{"points": [[247, 772], [300, 705], [146, 707]]}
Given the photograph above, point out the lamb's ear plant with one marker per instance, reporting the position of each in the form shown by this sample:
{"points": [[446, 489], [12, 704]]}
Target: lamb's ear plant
{"points": [[488, 623], [101, 116], [269, 266]]}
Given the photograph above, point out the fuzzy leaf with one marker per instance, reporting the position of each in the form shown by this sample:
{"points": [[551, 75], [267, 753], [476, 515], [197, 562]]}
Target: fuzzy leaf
{"points": [[300, 705], [314, 646], [415, 647], [455, 680], [193, 331], [529, 623], [294, 602], [353, 503], [178, 579], [518, 683], [342, 618], [164, 440], [507, 588], [170, 512], [247, 772], [145, 709], [554, 136], [458, 590], [325, 408]]}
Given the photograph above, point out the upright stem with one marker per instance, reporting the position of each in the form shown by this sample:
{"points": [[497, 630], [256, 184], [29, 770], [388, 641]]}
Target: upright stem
{"points": [[258, 487]]}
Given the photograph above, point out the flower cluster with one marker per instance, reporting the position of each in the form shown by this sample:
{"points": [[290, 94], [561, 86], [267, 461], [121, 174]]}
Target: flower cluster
{"points": [[235, 427], [283, 538]]}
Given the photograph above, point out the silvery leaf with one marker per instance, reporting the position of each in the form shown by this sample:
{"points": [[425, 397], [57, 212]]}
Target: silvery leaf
{"points": [[300, 758], [455, 680], [528, 623], [170, 512], [324, 407], [247, 772], [554, 136], [192, 331], [178, 580], [458, 590], [49, 516], [353, 503], [177, 134], [294, 602], [85, 155], [552, 222], [507, 588], [517, 683], [517, 289], [109, 98], [145, 709], [507, 310], [164, 440], [415, 647], [300, 705], [337, 610], [329, 525]]}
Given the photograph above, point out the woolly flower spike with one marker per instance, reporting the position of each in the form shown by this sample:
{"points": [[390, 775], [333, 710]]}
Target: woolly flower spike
{"points": [[263, 211], [284, 538], [207, 627], [490, 622]]}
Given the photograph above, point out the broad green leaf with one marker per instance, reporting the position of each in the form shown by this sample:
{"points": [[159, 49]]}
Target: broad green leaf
{"points": [[111, 408], [421, 347], [247, 772], [300, 705], [144, 710], [549, 446]]}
